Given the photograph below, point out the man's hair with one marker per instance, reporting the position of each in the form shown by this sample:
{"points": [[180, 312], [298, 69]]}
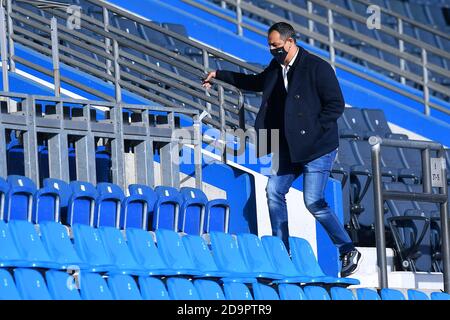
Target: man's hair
{"points": [[284, 29]]}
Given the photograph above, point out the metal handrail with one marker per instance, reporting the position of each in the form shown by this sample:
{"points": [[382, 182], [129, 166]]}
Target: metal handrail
{"points": [[421, 80], [381, 195]]}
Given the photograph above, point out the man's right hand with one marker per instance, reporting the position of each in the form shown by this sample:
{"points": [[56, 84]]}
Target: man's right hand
{"points": [[206, 82]]}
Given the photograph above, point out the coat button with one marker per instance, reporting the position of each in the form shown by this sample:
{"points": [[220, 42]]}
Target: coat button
{"points": [[300, 114], [302, 132], [297, 96]]}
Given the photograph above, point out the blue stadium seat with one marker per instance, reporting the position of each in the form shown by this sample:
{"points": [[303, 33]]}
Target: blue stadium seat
{"points": [[8, 290], [123, 287], [228, 257], [61, 286], [355, 118], [217, 216], [209, 290], [291, 292], [108, 205], [46, 205], [133, 218], [9, 254], [316, 293], [172, 250], [192, 211], [377, 121], [30, 246], [367, 294], [236, 291], [440, 296], [153, 289], [182, 289], [338, 293], [58, 245], [89, 245], [391, 294], [19, 198], [31, 285], [417, 295], [81, 203], [305, 261], [64, 193], [264, 292], [119, 252], [255, 256], [167, 208], [146, 253], [277, 253], [4, 187], [93, 287], [202, 257], [134, 212]]}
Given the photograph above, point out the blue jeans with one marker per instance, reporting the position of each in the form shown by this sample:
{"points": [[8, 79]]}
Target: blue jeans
{"points": [[316, 174]]}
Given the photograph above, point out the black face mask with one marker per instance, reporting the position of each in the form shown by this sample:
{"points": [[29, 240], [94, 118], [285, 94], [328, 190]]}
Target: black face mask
{"points": [[279, 54]]}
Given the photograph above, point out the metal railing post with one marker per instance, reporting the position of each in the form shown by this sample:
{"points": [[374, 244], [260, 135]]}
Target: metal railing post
{"points": [[198, 152], [445, 228], [309, 6], [205, 56], [222, 123], [241, 109], [401, 48], [239, 18], [55, 56], [107, 40], [426, 89], [380, 236], [331, 38], [4, 50], [118, 90], [426, 171], [12, 64]]}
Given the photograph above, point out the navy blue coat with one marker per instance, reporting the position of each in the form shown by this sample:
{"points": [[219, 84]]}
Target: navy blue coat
{"points": [[313, 104]]}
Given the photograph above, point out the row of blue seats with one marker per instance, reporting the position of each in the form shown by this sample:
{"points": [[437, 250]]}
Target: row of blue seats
{"points": [[187, 210], [29, 284]]}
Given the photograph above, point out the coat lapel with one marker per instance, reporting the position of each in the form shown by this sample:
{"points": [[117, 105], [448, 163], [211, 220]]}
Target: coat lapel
{"points": [[297, 74]]}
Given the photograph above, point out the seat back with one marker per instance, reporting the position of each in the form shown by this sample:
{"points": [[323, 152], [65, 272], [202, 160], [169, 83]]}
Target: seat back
{"points": [[144, 250], [64, 192], [440, 296], [254, 254], [108, 205], [217, 216], [338, 293], [172, 250], [134, 218], [9, 254], [391, 294], [355, 118], [31, 285], [199, 253], [46, 205], [4, 187], [8, 290], [89, 245], [123, 287], [377, 121], [304, 258], [316, 293], [264, 292], [182, 289], [57, 243], [94, 287], [19, 199], [81, 203], [192, 211], [237, 291], [153, 289], [118, 250], [209, 290], [291, 292], [227, 254], [61, 286], [367, 294], [277, 253], [167, 208], [417, 295]]}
